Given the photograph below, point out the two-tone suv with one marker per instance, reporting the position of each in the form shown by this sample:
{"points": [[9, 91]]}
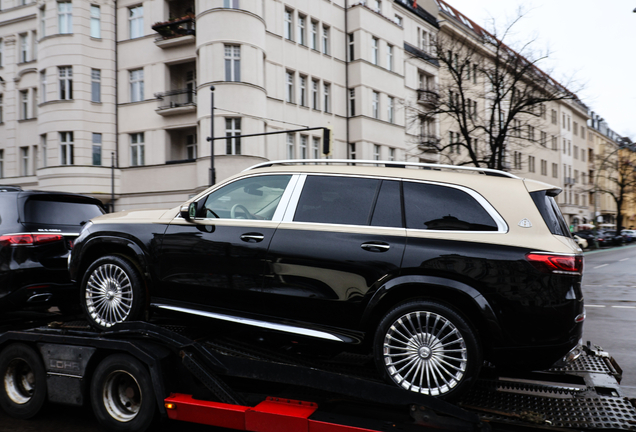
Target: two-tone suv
{"points": [[37, 229], [430, 268]]}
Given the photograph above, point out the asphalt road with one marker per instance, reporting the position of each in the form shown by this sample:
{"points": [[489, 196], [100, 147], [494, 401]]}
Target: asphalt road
{"points": [[609, 286]]}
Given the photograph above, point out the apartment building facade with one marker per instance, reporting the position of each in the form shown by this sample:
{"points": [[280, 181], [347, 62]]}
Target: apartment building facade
{"points": [[113, 99]]}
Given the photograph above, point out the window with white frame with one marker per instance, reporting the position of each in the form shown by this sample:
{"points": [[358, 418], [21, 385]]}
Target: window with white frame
{"points": [[325, 39], [191, 146], [66, 148], [231, 4], [136, 85], [398, 20], [351, 45], [97, 149], [232, 129], [375, 104], [289, 24], [34, 45], [43, 145], [233, 63], [304, 139], [303, 90], [96, 23], [391, 109], [136, 21], [352, 102], [96, 85], [315, 99], [43, 85], [289, 86], [313, 37], [137, 149], [64, 17], [34, 103], [24, 104], [376, 152], [24, 161], [43, 21], [376, 5], [544, 167], [374, 50], [65, 74], [326, 90], [291, 146], [389, 57], [391, 154], [531, 164], [24, 47], [1, 163], [302, 22], [315, 148]]}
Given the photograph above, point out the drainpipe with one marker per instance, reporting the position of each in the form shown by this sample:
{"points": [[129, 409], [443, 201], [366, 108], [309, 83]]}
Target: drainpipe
{"points": [[346, 39], [115, 160]]}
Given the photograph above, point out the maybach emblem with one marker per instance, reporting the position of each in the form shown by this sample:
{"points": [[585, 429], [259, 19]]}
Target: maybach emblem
{"points": [[525, 223]]}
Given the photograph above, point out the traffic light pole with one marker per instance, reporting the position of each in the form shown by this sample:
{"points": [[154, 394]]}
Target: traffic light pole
{"points": [[211, 139]]}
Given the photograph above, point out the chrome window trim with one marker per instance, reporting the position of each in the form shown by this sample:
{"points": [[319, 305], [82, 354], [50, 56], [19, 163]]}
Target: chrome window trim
{"points": [[255, 323]]}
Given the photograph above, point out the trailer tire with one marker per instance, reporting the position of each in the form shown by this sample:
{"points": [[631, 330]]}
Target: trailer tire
{"points": [[22, 374], [122, 394], [112, 292]]}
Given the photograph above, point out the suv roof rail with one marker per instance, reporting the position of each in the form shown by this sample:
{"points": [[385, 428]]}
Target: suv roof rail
{"points": [[387, 164]]}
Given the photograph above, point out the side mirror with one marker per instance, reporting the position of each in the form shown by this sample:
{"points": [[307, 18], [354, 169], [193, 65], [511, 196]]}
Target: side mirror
{"points": [[189, 212]]}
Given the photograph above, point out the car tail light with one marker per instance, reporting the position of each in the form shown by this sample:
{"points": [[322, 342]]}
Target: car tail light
{"points": [[28, 239], [563, 264]]}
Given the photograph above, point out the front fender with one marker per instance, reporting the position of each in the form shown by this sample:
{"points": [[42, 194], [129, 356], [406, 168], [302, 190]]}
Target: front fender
{"points": [[430, 283]]}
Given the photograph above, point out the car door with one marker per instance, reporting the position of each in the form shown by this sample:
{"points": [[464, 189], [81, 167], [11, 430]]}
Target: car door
{"points": [[218, 259], [340, 239]]}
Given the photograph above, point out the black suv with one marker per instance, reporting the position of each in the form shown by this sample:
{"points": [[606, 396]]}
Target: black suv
{"points": [[36, 234], [429, 268]]}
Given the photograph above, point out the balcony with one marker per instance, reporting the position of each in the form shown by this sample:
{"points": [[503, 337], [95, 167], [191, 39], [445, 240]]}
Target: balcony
{"points": [[175, 32], [428, 97], [569, 181], [175, 102], [428, 143]]}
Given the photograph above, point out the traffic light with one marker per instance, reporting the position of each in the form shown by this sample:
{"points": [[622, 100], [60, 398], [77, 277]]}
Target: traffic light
{"points": [[327, 140]]}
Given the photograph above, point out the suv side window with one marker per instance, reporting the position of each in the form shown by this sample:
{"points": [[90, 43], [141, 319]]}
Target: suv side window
{"points": [[388, 208], [337, 200], [436, 207], [249, 198]]}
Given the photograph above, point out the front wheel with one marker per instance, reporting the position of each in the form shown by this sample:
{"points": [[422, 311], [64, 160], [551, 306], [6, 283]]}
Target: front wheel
{"points": [[112, 292], [427, 348], [122, 395]]}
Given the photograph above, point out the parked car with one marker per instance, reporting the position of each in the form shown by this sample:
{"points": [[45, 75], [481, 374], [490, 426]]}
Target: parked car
{"points": [[429, 270], [580, 241], [629, 235], [610, 238], [36, 233]]}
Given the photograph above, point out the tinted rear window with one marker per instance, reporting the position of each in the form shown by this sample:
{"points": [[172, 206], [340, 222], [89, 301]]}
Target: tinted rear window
{"points": [[435, 207], [550, 212], [44, 212]]}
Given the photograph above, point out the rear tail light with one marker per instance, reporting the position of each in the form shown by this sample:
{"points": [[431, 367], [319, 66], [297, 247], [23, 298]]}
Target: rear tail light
{"points": [[562, 264], [28, 239]]}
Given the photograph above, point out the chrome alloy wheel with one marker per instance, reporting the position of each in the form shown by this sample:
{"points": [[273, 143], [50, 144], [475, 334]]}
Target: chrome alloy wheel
{"points": [[19, 381], [424, 352], [122, 396], [109, 295]]}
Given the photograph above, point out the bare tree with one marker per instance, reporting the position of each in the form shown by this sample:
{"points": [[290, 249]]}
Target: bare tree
{"points": [[616, 177], [490, 93]]}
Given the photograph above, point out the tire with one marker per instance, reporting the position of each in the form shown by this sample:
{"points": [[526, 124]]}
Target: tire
{"points": [[22, 374], [122, 396], [112, 292], [427, 348]]}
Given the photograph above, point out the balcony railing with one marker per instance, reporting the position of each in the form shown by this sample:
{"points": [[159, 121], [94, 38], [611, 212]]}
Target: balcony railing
{"points": [[428, 143], [428, 96], [176, 99], [177, 27]]}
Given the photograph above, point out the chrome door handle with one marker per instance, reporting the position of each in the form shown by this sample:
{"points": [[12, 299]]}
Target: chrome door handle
{"points": [[375, 247], [252, 237]]}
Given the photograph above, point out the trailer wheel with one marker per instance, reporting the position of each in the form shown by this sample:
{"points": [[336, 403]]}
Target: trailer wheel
{"points": [[112, 292], [24, 381], [122, 394], [427, 348]]}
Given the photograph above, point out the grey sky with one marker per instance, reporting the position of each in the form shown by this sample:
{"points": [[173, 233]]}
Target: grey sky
{"points": [[590, 41]]}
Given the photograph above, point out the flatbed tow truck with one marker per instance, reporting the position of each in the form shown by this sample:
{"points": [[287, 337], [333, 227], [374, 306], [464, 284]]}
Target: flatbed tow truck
{"points": [[141, 371]]}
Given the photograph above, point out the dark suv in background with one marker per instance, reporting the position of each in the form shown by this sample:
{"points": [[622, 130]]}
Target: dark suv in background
{"points": [[37, 229], [428, 269]]}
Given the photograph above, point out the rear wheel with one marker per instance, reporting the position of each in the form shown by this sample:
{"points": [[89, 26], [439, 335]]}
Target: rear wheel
{"points": [[122, 394], [112, 292], [427, 348], [23, 390]]}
